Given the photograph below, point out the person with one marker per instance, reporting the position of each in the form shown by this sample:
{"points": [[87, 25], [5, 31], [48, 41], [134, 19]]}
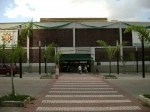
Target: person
{"points": [[56, 69], [97, 69], [85, 69], [80, 69]]}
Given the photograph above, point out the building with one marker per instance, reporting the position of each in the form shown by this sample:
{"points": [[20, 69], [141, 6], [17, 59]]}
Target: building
{"points": [[76, 38]]}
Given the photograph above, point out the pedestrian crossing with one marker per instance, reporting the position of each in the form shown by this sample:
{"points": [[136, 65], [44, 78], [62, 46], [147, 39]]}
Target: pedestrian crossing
{"points": [[84, 95]]}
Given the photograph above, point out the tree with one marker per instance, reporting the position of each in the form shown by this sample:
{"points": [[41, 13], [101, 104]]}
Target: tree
{"points": [[13, 55], [57, 56], [2, 51], [48, 51], [16, 51], [110, 51], [142, 31], [144, 36]]}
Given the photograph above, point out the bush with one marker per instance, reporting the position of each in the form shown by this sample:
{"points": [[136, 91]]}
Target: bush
{"points": [[147, 95], [110, 76], [11, 97]]}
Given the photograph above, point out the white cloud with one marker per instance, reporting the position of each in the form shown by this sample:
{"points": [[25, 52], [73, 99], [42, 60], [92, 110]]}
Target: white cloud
{"points": [[112, 9]]}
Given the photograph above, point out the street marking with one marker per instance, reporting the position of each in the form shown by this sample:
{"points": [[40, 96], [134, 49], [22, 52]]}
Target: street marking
{"points": [[83, 92], [79, 81], [80, 85], [88, 108], [90, 96], [85, 101], [82, 88]]}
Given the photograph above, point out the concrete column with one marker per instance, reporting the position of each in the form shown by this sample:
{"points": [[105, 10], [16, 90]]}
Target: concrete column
{"points": [[74, 40], [28, 48], [120, 34], [93, 53]]}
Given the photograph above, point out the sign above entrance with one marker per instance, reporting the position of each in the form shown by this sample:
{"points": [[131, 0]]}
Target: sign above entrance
{"points": [[75, 50]]}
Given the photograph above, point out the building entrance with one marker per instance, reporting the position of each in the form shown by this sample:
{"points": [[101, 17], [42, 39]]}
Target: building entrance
{"points": [[72, 65], [70, 62]]}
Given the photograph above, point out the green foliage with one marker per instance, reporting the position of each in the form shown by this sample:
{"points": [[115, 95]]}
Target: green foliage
{"points": [[142, 31], [124, 59], [11, 97], [2, 51], [48, 51], [132, 56], [57, 56], [110, 77], [110, 50], [147, 95], [26, 31], [14, 54]]}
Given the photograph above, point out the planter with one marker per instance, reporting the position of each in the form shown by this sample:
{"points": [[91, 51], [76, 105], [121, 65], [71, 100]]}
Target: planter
{"points": [[15, 103], [144, 99], [109, 77], [46, 77]]}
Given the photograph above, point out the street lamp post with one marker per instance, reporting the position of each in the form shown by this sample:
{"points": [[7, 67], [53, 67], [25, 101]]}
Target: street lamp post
{"points": [[3, 55], [39, 57], [136, 54], [45, 62], [117, 59], [143, 61], [20, 60]]}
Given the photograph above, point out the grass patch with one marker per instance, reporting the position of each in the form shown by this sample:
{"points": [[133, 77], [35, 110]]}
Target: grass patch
{"points": [[46, 77], [11, 97], [110, 77], [147, 95]]}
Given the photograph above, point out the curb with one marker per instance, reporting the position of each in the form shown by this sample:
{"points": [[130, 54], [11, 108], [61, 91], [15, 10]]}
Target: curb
{"points": [[16, 103], [144, 99]]}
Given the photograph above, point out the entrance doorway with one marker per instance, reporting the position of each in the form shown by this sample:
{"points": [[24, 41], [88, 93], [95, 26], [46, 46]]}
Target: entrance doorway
{"points": [[72, 65], [70, 62]]}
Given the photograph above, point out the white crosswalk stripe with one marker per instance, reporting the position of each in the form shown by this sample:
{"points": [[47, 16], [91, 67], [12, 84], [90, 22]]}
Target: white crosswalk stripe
{"points": [[82, 88], [80, 85], [85, 101], [90, 96], [82, 81], [52, 109], [83, 92]]}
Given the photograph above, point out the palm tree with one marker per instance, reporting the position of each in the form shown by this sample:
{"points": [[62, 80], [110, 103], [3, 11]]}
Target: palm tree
{"points": [[48, 51], [110, 51], [144, 36], [57, 56], [142, 31]]}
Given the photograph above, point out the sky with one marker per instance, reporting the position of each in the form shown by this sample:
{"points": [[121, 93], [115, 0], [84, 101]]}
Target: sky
{"points": [[121, 10]]}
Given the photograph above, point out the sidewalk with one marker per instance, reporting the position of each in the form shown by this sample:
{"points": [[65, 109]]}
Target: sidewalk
{"points": [[132, 83], [81, 93]]}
